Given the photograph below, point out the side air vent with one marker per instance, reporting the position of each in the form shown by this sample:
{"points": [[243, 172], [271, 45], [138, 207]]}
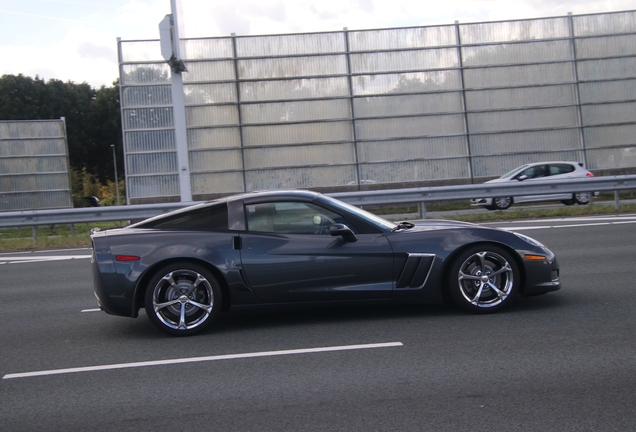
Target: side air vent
{"points": [[415, 271]]}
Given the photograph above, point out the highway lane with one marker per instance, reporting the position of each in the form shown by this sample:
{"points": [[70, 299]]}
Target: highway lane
{"points": [[563, 361]]}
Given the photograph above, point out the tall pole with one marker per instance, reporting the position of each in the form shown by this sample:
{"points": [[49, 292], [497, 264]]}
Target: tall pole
{"points": [[116, 179]]}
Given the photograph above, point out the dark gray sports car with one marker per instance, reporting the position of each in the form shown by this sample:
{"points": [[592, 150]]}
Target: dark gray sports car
{"points": [[299, 246]]}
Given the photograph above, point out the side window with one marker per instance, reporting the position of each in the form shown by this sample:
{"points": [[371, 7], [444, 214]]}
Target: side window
{"points": [[290, 218], [213, 218], [561, 169], [535, 172]]}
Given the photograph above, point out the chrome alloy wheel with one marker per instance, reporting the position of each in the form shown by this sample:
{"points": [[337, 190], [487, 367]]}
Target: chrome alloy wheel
{"points": [[182, 299], [485, 279]]}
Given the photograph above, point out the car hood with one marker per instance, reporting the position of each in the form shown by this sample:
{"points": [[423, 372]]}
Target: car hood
{"points": [[435, 224]]}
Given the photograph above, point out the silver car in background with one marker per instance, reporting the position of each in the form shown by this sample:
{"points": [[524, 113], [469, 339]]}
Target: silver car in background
{"points": [[539, 171]]}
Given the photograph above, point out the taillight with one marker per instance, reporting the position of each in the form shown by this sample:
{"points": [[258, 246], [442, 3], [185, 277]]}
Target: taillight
{"points": [[589, 175]]}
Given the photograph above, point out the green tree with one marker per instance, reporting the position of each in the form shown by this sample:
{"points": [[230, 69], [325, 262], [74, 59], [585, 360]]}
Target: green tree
{"points": [[92, 117]]}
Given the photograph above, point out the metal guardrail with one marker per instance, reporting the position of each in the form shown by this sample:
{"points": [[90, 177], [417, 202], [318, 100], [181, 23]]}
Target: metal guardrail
{"points": [[33, 218]]}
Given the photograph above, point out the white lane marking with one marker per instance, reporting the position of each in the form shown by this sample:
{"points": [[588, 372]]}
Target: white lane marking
{"points": [[522, 228], [23, 259], [91, 310], [202, 359], [42, 251]]}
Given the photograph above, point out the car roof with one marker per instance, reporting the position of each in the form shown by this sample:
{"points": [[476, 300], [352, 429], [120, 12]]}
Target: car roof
{"points": [[553, 162]]}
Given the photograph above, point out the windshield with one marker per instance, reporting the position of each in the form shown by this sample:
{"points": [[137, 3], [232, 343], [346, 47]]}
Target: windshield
{"points": [[382, 224], [514, 171]]}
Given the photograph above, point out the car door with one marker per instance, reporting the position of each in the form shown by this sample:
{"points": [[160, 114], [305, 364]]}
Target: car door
{"points": [[534, 174], [288, 255]]}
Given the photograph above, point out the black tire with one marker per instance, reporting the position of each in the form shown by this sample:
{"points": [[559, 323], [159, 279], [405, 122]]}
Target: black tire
{"points": [[484, 279], [582, 198], [501, 203], [569, 202], [182, 299]]}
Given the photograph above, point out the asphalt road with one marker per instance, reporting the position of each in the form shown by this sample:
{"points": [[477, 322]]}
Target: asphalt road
{"points": [[565, 361]]}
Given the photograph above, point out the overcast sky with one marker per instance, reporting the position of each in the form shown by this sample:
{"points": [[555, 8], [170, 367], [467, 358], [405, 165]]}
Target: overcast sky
{"points": [[77, 39]]}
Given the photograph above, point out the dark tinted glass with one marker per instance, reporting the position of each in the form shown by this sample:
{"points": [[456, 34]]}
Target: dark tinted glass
{"points": [[212, 218]]}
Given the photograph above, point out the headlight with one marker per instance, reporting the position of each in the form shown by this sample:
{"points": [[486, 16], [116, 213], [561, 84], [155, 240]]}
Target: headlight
{"points": [[530, 240]]}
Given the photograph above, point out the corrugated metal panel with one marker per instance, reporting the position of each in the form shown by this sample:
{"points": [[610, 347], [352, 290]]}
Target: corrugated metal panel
{"points": [[524, 142], [297, 133], [534, 52], [407, 104], [519, 75], [217, 183], [425, 148], [404, 60], [407, 82], [609, 113], [300, 178], [546, 28], [32, 147], [33, 164], [327, 154], [606, 46], [610, 158], [146, 96], [34, 172], [610, 136], [145, 74], [420, 170], [207, 138], [523, 119], [297, 44], [520, 97], [200, 94], [419, 37], [149, 141], [497, 97], [33, 183], [215, 160], [209, 71], [35, 200], [201, 49], [140, 51], [147, 118], [279, 112], [212, 115], [602, 24], [607, 69], [292, 67], [294, 89], [499, 165], [151, 163], [607, 91], [32, 129], [410, 127], [152, 186]]}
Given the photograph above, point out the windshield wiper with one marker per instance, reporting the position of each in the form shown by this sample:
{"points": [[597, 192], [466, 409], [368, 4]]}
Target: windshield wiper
{"points": [[402, 225]]}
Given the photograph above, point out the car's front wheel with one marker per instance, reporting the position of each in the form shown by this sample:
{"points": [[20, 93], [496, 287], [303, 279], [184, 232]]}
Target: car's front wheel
{"points": [[500, 203], [484, 279], [182, 298]]}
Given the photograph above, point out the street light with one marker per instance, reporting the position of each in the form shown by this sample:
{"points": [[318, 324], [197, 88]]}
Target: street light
{"points": [[116, 180]]}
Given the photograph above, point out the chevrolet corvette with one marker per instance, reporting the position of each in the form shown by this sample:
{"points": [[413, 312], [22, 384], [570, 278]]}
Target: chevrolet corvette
{"points": [[186, 266]]}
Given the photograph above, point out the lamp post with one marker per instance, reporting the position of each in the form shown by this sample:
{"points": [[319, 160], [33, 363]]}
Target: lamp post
{"points": [[116, 180]]}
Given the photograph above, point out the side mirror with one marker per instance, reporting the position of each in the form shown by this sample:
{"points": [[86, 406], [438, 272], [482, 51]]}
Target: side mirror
{"points": [[522, 177], [343, 231]]}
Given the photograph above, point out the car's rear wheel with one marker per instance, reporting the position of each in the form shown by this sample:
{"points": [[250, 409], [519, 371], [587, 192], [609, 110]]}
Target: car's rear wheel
{"points": [[182, 298], [569, 202], [582, 198], [500, 203], [484, 279]]}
